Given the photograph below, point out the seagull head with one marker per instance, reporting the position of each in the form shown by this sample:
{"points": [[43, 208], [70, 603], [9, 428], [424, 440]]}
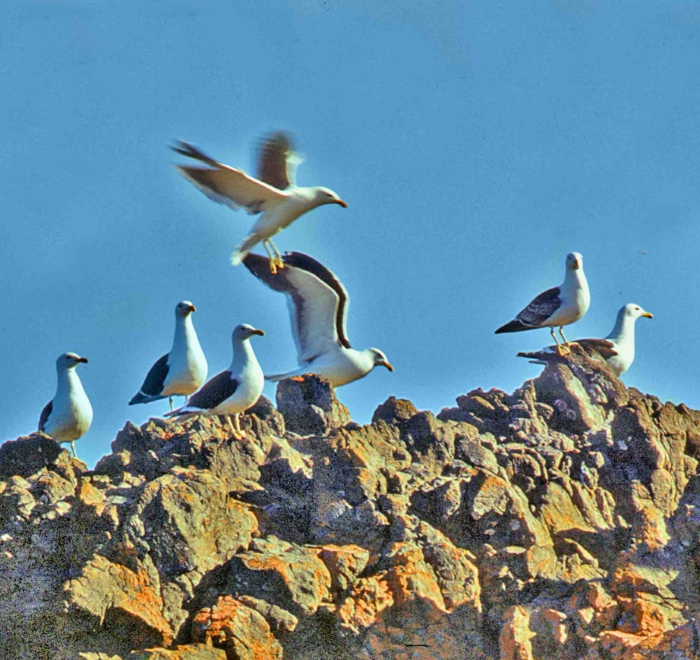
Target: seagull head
{"points": [[327, 196], [574, 261], [69, 361], [245, 331], [184, 308], [635, 311], [380, 359]]}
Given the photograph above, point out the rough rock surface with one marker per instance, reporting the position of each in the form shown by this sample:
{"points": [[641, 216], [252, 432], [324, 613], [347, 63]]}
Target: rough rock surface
{"points": [[559, 521]]}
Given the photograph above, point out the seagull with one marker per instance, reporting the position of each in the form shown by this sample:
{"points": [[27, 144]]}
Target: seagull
{"points": [[318, 306], [559, 306], [617, 348], [180, 372], [232, 391], [68, 415], [274, 193]]}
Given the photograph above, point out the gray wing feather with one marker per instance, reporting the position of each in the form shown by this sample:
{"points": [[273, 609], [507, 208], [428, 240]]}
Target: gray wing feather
{"points": [[541, 308], [44, 417]]}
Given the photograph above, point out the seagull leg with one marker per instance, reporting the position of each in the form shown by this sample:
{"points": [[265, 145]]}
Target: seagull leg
{"points": [[171, 403], [273, 266], [230, 425], [72, 446], [561, 332], [559, 347], [562, 349], [278, 256], [241, 432]]}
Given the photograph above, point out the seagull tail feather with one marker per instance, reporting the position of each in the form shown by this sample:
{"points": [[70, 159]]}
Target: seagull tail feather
{"points": [[140, 397], [513, 326], [276, 378], [241, 252]]}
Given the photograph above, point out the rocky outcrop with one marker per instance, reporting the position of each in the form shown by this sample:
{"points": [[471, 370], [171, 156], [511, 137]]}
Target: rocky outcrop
{"points": [[562, 520]]}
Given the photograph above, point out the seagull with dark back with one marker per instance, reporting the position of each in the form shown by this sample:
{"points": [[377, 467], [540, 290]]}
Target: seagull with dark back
{"points": [[181, 371], [274, 193], [318, 307], [556, 307], [67, 417], [232, 391], [617, 349]]}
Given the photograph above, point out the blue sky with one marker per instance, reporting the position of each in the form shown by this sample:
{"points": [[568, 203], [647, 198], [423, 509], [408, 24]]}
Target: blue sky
{"points": [[475, 143]]}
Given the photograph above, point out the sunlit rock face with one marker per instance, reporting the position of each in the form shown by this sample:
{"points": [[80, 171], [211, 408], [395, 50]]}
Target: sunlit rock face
{"points": [[559, 521]]}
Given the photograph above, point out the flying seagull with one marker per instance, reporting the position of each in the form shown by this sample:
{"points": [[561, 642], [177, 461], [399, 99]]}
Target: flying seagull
{"points": [[68, 415], [617, 348], [318, 307], [274, 193], [180, 372], [559, 306], [232, 391]]}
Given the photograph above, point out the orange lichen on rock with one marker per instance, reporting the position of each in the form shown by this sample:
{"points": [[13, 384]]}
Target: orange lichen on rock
{"points": [[231, 625]]}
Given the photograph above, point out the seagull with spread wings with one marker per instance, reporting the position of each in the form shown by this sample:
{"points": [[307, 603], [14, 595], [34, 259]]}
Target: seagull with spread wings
{"points": [[318, 307], [274, 193], [556, 307]]}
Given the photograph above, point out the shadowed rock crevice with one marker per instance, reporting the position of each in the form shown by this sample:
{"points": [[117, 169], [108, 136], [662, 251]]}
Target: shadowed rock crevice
{"points": [[557, 521]]}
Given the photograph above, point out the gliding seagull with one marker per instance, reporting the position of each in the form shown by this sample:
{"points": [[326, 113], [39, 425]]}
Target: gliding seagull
{"points": [[318, 305], [274, 193]]}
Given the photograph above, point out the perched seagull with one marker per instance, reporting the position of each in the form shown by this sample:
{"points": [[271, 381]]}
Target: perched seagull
{"points": [[274, 193], [180, 372], [617, 348], [559, 306], [232, 391], [68, 415], [318, 307]]}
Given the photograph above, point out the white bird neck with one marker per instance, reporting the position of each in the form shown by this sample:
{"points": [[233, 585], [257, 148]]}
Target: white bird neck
{"points": [[184, 333], [366, 360], [575, 279], [68, 381], [623, 332], [243, 356]]}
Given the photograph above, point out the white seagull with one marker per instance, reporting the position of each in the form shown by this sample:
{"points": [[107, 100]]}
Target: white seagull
{"points": [[68, 415], [232, 391], [618, 347], [180, 372], [274, 193], [559, 306], [318, 306]]}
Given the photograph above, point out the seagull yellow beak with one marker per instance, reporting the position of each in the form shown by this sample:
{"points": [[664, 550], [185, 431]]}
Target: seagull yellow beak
{"points": [[192, 308], [257, 332], [387, 365], [342, 203], [649, 315]]}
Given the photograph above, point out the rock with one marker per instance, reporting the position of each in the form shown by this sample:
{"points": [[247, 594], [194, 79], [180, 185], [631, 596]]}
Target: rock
{"points": [[27, 455], [186, 652], [559, 521], [239, 630], [309, 405], [394, 410]]}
